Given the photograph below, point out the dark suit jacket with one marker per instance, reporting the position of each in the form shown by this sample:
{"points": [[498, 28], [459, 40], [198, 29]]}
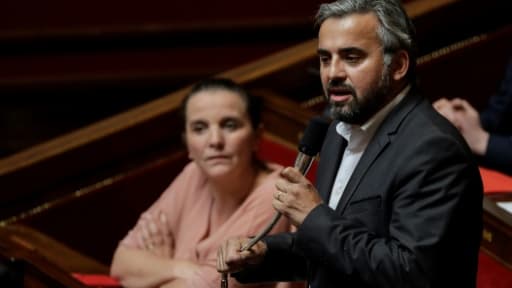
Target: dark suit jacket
{"points": [[497, 120], [410, 216]]}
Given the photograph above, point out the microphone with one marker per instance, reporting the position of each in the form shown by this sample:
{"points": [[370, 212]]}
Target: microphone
{"points": [[309, 146]]}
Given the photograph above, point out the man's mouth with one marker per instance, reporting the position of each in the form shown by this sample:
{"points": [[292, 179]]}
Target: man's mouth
{"points": [[340, 95], [339, 98]]}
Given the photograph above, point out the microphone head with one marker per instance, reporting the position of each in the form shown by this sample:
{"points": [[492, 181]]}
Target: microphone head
{"points": [[314, 135]]}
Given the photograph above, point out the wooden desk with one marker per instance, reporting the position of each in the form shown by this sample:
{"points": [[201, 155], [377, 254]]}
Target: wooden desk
{"points": [[497, 232]]}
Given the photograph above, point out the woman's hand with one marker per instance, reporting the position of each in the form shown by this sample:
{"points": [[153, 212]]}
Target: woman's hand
{"points": [[155, 236]]}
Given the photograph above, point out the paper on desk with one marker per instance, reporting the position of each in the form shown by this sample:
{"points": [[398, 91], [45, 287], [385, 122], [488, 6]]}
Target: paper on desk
{"points": [[505, 205]]}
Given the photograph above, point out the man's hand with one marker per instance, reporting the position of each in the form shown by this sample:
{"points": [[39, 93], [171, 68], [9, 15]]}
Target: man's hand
{"points": [[231, 259], [295, 196]]}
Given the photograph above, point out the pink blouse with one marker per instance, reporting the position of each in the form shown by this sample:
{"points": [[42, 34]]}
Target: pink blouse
{"points": [[187, 205]]}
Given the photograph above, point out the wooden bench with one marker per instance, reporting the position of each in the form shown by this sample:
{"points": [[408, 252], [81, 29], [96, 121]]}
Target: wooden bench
{"points": [[32, 259]]}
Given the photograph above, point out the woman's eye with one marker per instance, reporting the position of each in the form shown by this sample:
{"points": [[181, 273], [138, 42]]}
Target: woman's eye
{"points": [[231, 125], [198, 128]]}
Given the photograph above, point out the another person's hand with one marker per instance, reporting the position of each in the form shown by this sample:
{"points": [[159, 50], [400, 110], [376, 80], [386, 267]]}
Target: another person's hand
{"points": [[156, 237], [231, 259], [445, 108], [295, 196], [467, 120]]}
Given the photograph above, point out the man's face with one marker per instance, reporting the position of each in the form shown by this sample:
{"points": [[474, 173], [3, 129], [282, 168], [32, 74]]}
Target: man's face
{"points": [[355, 80]]}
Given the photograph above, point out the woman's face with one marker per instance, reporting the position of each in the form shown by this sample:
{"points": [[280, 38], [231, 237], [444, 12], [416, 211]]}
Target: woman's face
{"points": [[219, 135]]}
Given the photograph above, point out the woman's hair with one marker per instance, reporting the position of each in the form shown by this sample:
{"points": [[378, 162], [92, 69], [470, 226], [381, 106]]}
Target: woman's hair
{"points": [[396, 31], [252, 103]]}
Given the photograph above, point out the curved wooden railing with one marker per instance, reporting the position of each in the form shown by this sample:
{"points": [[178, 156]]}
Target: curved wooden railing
{"points": [[33, 259]]}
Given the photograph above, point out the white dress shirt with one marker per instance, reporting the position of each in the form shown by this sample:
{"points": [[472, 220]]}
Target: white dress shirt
{"points": [[358, 138]]}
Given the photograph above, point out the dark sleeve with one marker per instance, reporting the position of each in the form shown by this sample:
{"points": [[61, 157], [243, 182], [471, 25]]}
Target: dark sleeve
{"points": [[497, 120], [497, 116], [281, 263], [499, 154]]}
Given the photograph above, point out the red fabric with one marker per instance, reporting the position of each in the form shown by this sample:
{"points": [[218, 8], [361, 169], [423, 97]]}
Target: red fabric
{"points": [[96, 280], [491, 273], [270, 150], [495, 181]]}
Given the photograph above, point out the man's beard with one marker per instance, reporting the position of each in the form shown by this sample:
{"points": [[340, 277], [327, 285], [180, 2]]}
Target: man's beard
{"points": [[359, 112]]}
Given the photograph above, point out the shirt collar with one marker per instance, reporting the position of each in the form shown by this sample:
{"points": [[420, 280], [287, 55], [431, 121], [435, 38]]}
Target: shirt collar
{"points": [[356, 133]]}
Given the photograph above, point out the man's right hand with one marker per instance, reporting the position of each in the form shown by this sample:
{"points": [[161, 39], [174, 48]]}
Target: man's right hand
{"points": [[230, 259]]}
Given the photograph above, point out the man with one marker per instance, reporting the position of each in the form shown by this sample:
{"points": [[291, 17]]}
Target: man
{"points": [[488, 134], [399, 205]]}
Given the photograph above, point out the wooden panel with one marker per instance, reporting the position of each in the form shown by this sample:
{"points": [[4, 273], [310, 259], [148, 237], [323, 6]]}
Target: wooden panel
{"points": [[64, 67], [78, 159], [470, 69], [497, 232], [90, 159], [93, 219], [62, 71]]}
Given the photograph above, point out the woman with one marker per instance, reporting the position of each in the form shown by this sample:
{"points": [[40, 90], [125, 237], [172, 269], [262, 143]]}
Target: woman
{"points": [[224, 191]]}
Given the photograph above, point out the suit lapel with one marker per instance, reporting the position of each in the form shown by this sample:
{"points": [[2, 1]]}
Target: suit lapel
{"points": [[377, 145], [330, 158]]}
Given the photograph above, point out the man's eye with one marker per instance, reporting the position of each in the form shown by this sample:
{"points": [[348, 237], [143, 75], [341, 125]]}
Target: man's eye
{"points": [[324, 60], [352, 58]]}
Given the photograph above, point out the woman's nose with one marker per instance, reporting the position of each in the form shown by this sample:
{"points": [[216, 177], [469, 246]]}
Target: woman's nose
{"points": [[216, 138]]}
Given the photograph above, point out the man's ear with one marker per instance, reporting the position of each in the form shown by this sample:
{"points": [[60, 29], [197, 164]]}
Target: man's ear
{"points": [[400, 65]]}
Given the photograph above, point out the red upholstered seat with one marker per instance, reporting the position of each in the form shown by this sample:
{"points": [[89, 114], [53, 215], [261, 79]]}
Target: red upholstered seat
{"points": [[491, 273], [495, 182], [282, 154]]}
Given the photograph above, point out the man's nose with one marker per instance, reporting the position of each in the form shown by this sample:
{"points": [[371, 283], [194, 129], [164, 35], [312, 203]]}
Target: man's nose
{"points": [[337, 70]]}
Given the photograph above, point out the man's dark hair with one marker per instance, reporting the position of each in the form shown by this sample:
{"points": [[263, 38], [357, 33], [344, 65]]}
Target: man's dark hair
{"points": [[396, 31]]}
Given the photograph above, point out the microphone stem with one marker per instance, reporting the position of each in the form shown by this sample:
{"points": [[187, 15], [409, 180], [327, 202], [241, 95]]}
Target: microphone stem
{"points": [[302, 163], [262, 233]]}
